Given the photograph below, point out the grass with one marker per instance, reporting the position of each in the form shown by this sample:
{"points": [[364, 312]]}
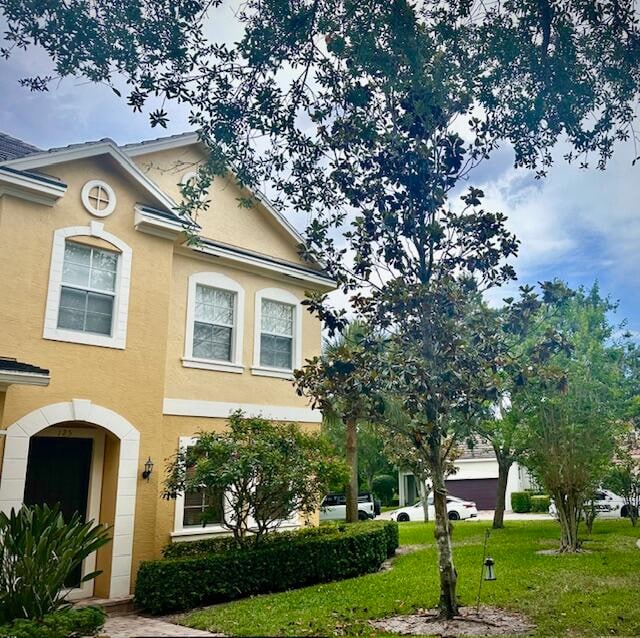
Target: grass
{"points": [[590, 594]]}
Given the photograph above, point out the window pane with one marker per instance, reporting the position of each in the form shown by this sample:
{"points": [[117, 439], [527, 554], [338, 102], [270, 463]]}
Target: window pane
{"points": [[104, 260], [214, 306], [277, 318], [102, 304], [202, 504], [275, 352], [71, 319], [212, 342], [103, 279], [72, 298], [100, 324], [75, 274], [77, 254], [222, 343]]}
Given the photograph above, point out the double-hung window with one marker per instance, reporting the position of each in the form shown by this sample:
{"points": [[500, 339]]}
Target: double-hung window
{"points": [[88, 289], [277, 334], [213, 326]]}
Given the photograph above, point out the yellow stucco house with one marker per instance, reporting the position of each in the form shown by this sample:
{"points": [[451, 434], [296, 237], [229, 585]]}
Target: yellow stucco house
{"points": [[118, 342]]}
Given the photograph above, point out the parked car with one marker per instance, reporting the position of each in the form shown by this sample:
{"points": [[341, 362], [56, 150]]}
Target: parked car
{"points": [[334, 507], [457, 509], [607, 504]]}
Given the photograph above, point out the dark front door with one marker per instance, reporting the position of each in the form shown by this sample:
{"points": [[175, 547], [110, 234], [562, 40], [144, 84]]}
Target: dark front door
{"points": [[58, 472]]}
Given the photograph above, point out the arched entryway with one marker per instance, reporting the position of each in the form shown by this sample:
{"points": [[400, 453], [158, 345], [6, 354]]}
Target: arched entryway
{"points": [[69, 426]]}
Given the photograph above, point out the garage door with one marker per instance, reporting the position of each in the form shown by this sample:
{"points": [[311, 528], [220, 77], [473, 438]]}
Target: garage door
{"points": [[481, 491]]}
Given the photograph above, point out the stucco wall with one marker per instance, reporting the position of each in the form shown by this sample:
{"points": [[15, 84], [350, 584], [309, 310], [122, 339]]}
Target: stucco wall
{"points": [[134, 381], [225, 219]]}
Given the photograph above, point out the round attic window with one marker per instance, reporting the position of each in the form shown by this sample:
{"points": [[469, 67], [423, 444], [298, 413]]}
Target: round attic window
{"points": [[98, 198]]}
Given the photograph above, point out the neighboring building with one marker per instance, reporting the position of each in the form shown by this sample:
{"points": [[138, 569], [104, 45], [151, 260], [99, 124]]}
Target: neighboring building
{"points": [[120, 342], [476, 479]]}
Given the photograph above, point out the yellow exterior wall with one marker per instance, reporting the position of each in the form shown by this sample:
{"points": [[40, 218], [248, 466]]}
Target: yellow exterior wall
{"points": [[133, 382], [224, 220]]}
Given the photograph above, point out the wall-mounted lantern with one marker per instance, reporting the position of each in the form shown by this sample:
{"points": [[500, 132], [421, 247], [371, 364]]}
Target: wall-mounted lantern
{"points": [[148, 468]]}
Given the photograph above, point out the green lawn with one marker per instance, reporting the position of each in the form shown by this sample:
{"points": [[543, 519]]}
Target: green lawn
{"points": [[591, 594]]}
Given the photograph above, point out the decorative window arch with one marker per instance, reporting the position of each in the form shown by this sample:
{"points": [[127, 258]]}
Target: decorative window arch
{"points": [[269, 299], [227, 320], [120, 293]]}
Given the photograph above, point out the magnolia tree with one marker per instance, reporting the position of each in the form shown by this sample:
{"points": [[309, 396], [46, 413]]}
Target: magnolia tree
{"points": [[255, 475], [571, 414], [367, 116]]}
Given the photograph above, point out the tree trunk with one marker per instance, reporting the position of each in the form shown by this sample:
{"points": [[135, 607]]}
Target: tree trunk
{"points": [[352, 462], [569, 516], [503, 474], [426, 488], [448, 576]]}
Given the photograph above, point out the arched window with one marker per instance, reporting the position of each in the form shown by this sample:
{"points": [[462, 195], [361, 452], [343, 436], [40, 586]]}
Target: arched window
{"points": [[277, 347], [88, 297], [215, 321]]}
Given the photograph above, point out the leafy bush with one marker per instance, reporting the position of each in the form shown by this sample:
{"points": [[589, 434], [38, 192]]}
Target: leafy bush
{"points": [[59, 624], [37, 554], [272, 470], [540, 503], [296, 560], [521, 502], [189, 549]]}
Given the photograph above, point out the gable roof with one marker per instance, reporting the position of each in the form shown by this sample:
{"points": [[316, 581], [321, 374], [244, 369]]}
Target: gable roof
{"points": [[12, 147], [190, 138], [85, 150]]}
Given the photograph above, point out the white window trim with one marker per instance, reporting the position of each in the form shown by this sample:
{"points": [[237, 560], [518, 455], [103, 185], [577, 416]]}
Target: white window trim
{"points": [[86, 202], [207, 531], [222, 282], [192, 530], [283, 296], [118, 337]]}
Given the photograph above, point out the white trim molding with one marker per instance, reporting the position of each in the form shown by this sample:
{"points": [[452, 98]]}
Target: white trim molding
{"points": [[118, 338], [86, 201], [178, 521], [35, 189], [222, 282], [93, 149], [222, 410], [22, 378], [14, 472], [285, 297]]}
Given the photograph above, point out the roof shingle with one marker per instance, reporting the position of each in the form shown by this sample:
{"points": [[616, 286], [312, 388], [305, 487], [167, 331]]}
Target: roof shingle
{"points": [[12, 148]]}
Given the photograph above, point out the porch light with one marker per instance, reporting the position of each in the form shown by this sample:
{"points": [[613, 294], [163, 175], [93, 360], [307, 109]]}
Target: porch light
{"points": [[489, 573], [148, 468]]}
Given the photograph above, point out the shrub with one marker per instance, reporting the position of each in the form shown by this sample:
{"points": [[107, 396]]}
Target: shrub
{"points": [[521, 502], [540, 503], [59, 624], [37, 553], [297, 560], [188, 549]]}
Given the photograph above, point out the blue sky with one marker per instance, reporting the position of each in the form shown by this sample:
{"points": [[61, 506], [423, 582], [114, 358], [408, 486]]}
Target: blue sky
{"points": [[577, 225]]}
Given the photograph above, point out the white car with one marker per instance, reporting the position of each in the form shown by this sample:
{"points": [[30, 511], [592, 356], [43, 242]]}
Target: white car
{"points": [[608, 505], [334, 507], [458, 510]]}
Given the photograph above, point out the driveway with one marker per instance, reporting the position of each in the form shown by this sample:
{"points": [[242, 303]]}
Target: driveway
{"points": [[487, 515]]}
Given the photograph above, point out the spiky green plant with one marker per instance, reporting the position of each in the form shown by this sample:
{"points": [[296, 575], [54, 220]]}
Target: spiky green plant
{"points": [[38, 552]]}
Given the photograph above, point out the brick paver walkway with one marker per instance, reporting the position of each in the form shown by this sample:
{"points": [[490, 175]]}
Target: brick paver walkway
{"points": [[133, 626]]}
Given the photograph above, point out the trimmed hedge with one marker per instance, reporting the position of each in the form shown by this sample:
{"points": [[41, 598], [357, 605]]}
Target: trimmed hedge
{"points": [[540, 503], [301, 559], [521, 502], [189, 549], [58, 624]]}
